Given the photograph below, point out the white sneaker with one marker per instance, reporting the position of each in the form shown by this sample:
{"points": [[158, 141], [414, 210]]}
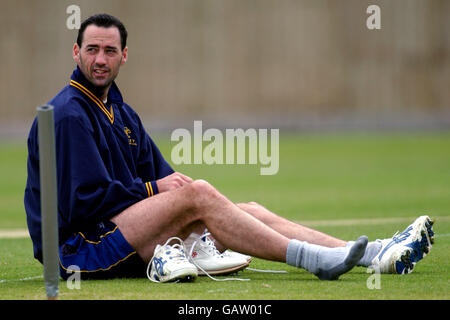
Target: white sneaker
{"points": [[204, 254], [229, 253], [169, 263], [401, 253]]}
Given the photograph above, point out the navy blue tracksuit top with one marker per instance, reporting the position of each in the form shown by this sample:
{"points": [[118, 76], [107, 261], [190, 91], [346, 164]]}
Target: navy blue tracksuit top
{"points": [[106, 161]]}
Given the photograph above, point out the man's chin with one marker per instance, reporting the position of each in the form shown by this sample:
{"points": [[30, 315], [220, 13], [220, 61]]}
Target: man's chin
{"points": [[101, 84]]}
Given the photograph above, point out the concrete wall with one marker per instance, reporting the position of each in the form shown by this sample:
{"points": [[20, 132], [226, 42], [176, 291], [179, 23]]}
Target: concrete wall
{"points": [[279, 63]]}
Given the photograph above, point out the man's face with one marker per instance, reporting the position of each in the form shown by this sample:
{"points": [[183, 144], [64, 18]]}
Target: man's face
{"points": [[100, 55]]}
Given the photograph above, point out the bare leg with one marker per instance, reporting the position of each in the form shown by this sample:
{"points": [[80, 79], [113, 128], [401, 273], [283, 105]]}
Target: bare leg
{"points": [[290, 229], [179, 212]]}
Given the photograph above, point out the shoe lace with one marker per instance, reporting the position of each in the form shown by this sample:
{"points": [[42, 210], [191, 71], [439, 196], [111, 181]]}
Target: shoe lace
{"points": [[399, 237], [204, 240], [179, 250], [208, 244], [178, 254]]}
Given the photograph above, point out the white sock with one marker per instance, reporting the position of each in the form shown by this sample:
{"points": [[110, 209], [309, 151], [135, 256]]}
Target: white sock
{"points": [[326, 263], [372, 249]]}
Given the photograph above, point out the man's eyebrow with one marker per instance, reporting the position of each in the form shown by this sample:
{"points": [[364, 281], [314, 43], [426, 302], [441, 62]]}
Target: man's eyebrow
{"points": [[97, 46]]}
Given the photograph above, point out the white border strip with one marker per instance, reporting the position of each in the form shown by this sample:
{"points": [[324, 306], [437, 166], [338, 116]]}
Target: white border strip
{"points": [[369, 221], [14, 233]]}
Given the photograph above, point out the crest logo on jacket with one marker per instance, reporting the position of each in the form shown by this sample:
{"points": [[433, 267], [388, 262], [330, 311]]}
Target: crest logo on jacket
{"points": [[131, 141]]}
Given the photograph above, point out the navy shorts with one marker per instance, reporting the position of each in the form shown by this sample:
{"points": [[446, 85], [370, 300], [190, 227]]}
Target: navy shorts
{"points": [[100, 252]]}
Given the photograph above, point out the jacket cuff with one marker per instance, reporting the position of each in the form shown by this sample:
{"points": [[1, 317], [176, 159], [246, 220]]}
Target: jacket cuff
{"points": [[151, 188]]}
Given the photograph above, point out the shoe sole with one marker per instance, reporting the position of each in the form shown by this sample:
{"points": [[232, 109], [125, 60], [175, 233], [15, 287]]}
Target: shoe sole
{"points": [[223, 272], [417, 249], [184, 275]]}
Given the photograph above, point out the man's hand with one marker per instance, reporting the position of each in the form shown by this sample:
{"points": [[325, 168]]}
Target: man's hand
{"points": [[173, 181]]}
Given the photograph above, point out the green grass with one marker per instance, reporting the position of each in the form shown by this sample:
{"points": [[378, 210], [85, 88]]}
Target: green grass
{"points": [[345, 177]]}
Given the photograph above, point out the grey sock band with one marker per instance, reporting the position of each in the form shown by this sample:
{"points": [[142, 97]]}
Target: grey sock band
{"points": [[294, 253], [373, 248], [304, 255]]}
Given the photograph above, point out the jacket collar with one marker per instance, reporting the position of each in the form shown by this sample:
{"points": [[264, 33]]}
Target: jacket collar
{"points": [[114, 94]]}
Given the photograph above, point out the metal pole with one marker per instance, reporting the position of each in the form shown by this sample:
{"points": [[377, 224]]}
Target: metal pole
{"points": [[49, 200]]}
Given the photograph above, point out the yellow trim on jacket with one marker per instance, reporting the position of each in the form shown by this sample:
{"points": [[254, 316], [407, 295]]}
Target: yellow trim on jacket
{"points": [[149, 189], [97, 101]]}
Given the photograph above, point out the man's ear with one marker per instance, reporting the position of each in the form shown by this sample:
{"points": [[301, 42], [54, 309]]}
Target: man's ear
{"points": [[124, 56], [76, 53]]}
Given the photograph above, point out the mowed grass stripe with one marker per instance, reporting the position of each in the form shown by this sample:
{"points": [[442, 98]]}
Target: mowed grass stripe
{"points": [[23, 233]]}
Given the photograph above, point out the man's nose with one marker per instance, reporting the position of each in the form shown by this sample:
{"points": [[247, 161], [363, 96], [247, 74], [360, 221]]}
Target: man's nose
{"points": [[100, 58]]}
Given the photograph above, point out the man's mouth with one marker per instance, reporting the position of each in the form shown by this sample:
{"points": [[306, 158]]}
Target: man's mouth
{"points": [[100, 72]]}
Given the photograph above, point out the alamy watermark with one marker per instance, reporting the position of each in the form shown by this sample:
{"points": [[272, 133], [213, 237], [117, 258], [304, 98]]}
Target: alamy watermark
{"points": [[74, 280], [74, 19], [235, 146], [374, 281], [373, 22]]}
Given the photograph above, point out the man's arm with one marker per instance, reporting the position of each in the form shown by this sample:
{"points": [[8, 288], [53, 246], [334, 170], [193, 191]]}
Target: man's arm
{"points": [[86, 190]]}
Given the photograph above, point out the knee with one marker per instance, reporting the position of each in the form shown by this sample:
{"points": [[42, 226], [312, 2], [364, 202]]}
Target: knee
{"points": [[254, 204], [249, 205], [201, 187], [201, 193]]}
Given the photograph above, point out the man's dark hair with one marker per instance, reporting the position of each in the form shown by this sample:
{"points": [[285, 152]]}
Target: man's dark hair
{"points": [[103, 20]]}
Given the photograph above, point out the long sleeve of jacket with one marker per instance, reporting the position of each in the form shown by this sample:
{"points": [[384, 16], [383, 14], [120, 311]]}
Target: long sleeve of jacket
{"points": [[87, 191], [152, 161]]}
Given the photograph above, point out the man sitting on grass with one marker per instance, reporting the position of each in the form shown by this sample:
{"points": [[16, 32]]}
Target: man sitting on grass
{"points": [[119, 200]]}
